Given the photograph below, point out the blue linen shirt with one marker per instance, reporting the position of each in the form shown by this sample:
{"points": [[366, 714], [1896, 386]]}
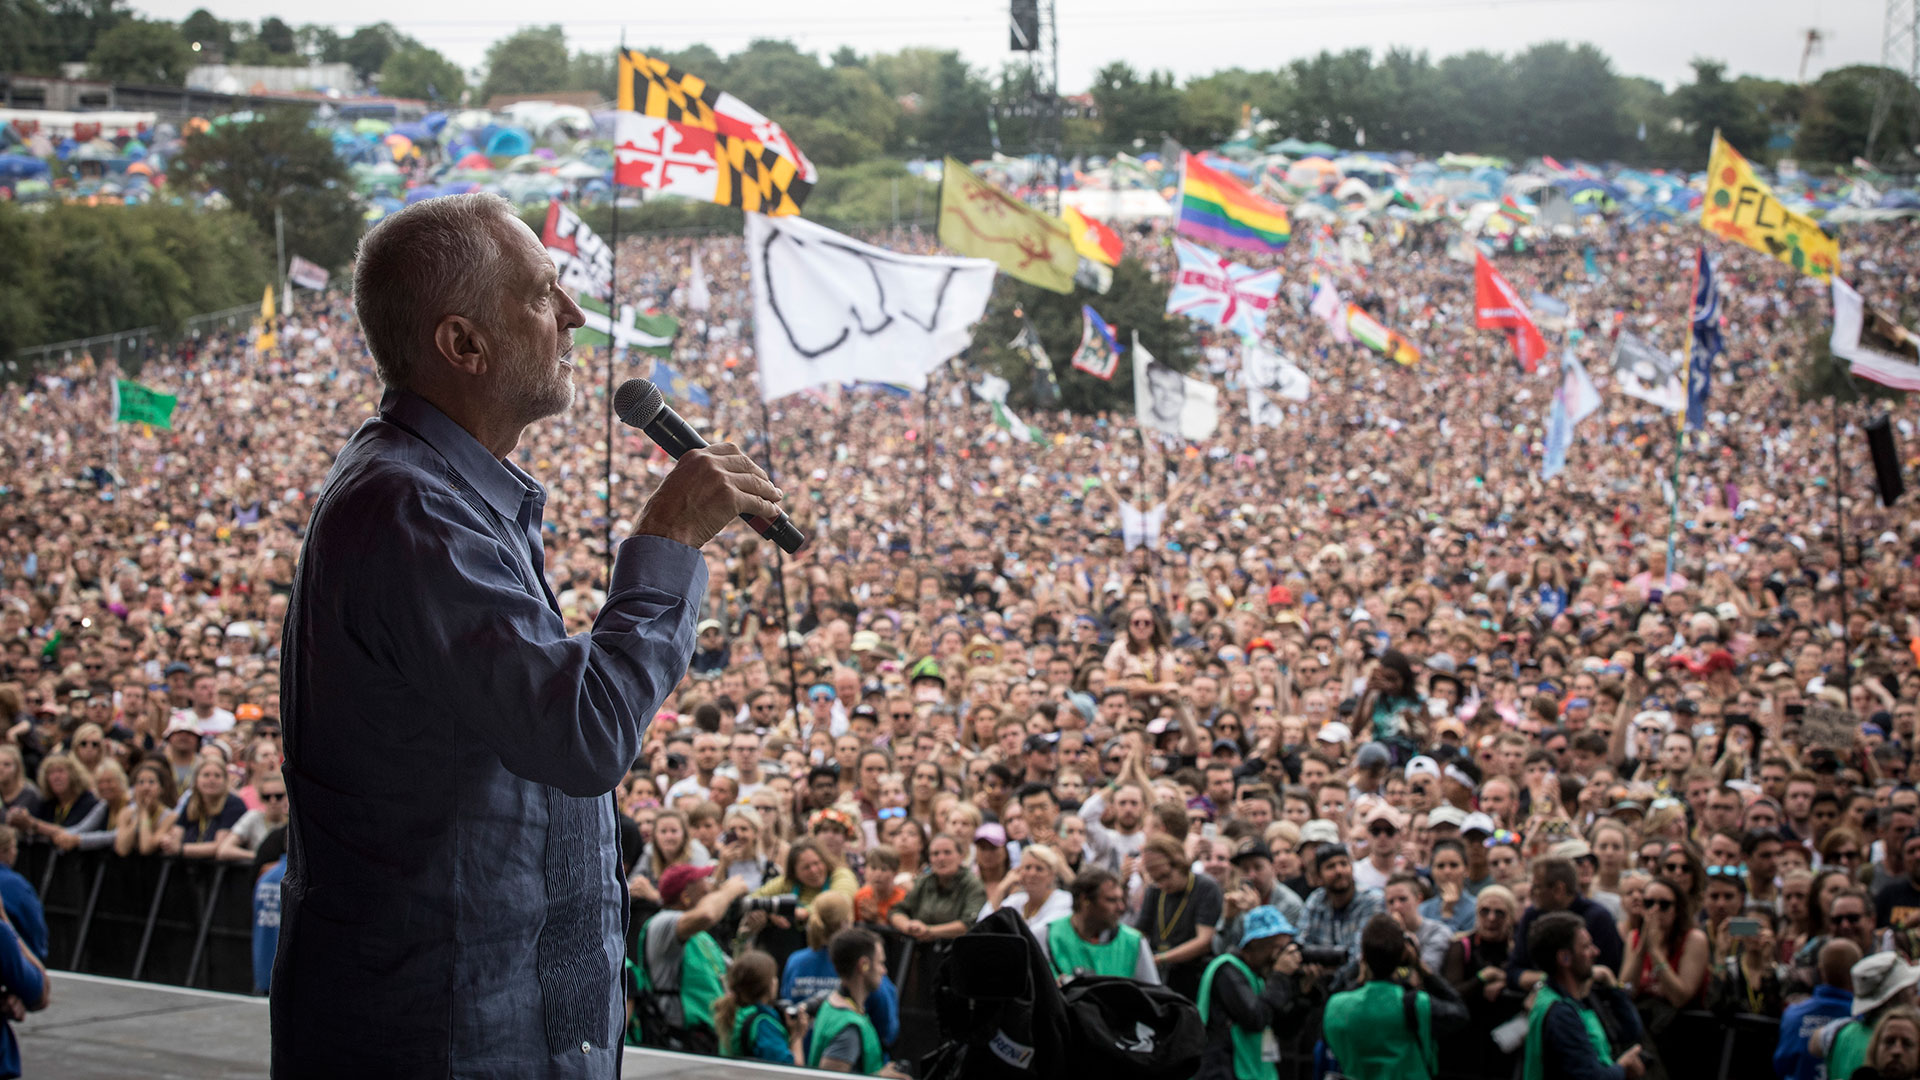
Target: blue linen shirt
{"points": [[453, 904]]}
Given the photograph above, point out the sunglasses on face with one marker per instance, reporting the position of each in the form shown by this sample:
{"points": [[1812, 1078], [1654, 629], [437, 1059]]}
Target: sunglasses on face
{"points": [[1658, 905], [86, 744], [902, 716], [889, 812], [1847, 920], [1849, 854], [1675, 868], [273, 796], [1381, 828]]}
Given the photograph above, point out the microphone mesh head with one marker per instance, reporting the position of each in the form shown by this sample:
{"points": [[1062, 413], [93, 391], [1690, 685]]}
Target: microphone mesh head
{"points": [[637, 402]]}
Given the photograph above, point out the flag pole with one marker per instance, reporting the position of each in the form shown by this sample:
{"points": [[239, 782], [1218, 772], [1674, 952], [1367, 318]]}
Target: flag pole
{"points": [[613, 325], [779, 567], [1680, 429], [1840, 541], [926, 472]]}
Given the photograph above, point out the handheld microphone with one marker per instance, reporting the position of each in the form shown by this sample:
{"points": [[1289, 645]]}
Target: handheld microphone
{"points": [[640, 404]]}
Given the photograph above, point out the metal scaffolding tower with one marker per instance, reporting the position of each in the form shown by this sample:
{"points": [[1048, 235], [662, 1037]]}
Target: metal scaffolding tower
{"points": [[1900, 55]]}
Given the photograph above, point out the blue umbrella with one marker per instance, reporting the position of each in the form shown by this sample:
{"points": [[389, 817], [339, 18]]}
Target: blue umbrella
{"points": [[21, 167]]}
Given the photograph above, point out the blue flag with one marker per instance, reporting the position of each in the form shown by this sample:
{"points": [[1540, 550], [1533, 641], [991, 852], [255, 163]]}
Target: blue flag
{"points": [[1707, 343], [676, 387]]}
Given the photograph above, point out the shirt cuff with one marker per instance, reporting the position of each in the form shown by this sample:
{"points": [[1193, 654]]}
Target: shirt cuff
{"points": [[655, 562]]}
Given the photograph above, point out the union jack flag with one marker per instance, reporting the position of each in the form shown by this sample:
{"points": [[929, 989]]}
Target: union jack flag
{"points": [[1210, 289]]}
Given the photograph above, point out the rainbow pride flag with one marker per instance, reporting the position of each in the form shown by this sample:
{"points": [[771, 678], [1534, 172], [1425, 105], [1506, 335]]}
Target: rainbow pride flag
{"points": [[1216, 209]]}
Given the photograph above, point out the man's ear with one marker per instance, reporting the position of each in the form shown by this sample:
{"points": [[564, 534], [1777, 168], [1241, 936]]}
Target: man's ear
{"points": [[461, 344]]}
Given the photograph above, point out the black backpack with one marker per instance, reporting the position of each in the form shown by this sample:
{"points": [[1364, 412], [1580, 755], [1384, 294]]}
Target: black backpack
{"points": [[1124, 1029], [1001, 1014]]}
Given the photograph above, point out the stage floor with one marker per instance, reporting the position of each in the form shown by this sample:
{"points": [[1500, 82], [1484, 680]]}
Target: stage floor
{"points": [[111, 1029]]}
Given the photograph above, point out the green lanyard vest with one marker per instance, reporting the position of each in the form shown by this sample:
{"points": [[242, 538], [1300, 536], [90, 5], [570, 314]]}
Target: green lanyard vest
{"points": [[1849, 1049], [1536, 1062], [1072, 954], [1367, 1029], [827, 1027], [743, 1024], [1249, 1063], [703, 972]]}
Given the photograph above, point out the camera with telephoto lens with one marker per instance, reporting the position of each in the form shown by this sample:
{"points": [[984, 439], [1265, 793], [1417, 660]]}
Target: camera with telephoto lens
{"points": [[1326, 956], [783, 906]]}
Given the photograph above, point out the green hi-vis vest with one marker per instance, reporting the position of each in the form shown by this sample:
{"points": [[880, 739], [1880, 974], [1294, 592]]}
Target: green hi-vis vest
{"points": [[1848, 1050], [1536, 1061], [827, 1027], [1249, 1063], [1367, 1030], [744, 1022], [1072, 954], [703, 972]]}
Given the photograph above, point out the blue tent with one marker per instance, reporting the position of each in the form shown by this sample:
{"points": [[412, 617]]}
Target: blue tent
{"points": [[435, 121], [509, 142], [21, 167], [419, 133]]}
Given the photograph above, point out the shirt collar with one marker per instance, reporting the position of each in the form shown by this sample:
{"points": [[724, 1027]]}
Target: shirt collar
{"points": [[504, 485]]}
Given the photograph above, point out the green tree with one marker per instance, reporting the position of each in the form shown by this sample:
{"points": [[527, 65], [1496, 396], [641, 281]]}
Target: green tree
{"points": [[138, 51], [1210, 105], [319, 44], [1570, 101], [29, 45], [415, 71], [278, 163], [1333, 99], [1838, 115], [368, 48], [76, 26], [530, 60], [1132, 108], [595, 71], [1473, 97], [214, 36], [1712, 102], [944, 103], [22, 284], [277, 36], [1135, 303]]}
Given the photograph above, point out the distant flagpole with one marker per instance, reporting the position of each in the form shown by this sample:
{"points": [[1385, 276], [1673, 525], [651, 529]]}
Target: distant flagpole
{"points": [[613, 322], [1680, 427]]}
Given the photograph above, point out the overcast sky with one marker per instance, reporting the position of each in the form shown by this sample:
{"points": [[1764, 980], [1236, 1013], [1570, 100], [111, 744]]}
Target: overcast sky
{"points": [[1655, 38]]}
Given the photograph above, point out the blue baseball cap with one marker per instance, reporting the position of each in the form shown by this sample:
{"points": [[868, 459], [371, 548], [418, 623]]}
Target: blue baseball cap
{"points": [[1264, 921]]}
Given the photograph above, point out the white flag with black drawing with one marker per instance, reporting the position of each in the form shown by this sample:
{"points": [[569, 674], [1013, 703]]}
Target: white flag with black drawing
{"points": [[829, 309], [1169, 402], [1271, 380], [1644, 372], [1141, 528]]}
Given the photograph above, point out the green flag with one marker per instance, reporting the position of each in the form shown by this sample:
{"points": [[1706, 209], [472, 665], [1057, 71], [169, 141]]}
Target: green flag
{"points": [[648, 333], [135, 404], [1003, 417]]}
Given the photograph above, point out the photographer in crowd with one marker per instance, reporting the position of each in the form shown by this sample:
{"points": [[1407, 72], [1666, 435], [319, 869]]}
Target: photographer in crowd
{"points": [[1388, 1027]]}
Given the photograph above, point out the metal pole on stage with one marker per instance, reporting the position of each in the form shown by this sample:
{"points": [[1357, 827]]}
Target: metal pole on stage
{"points": [[613, 361], [780, 574], [1680, 433]]}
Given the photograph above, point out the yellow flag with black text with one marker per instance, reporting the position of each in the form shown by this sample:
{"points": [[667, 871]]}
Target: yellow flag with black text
{"points": [[1742, 208], [980, 220], [268, 340]]}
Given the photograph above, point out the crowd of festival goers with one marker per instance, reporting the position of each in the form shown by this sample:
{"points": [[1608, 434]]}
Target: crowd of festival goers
{"points": [[1380, 745]]}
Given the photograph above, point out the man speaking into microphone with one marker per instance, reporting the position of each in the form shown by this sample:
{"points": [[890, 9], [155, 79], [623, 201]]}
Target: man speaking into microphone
{"points": [[453, 903]]}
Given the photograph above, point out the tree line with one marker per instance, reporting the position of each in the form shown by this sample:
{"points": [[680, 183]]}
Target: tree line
{"points": [[1555, 98]]}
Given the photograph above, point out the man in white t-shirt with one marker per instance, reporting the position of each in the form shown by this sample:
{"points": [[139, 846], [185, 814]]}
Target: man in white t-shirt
{"points": [[208, 718], [1384, 828]]}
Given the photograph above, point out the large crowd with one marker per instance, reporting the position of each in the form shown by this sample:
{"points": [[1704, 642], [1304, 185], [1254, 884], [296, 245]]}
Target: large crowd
{"points": [[1375, 704]]}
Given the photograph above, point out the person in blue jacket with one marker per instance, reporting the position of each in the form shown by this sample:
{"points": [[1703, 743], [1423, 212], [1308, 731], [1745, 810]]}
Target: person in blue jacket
{"points": [[16, 894], [21, 976], [1831, 1000], [266, 924], [809, 972]]}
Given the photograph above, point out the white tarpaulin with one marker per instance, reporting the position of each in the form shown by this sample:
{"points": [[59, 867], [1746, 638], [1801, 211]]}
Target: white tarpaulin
{"points": [[828, 309]]}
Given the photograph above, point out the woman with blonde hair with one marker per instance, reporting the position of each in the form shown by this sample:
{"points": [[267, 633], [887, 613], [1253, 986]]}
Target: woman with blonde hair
{"points": [[89, 746], [149, 817], [809, 972], [110, 787], [17, 792], [743, 852], [1039, 898], [209, 813], [68, 803]]}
